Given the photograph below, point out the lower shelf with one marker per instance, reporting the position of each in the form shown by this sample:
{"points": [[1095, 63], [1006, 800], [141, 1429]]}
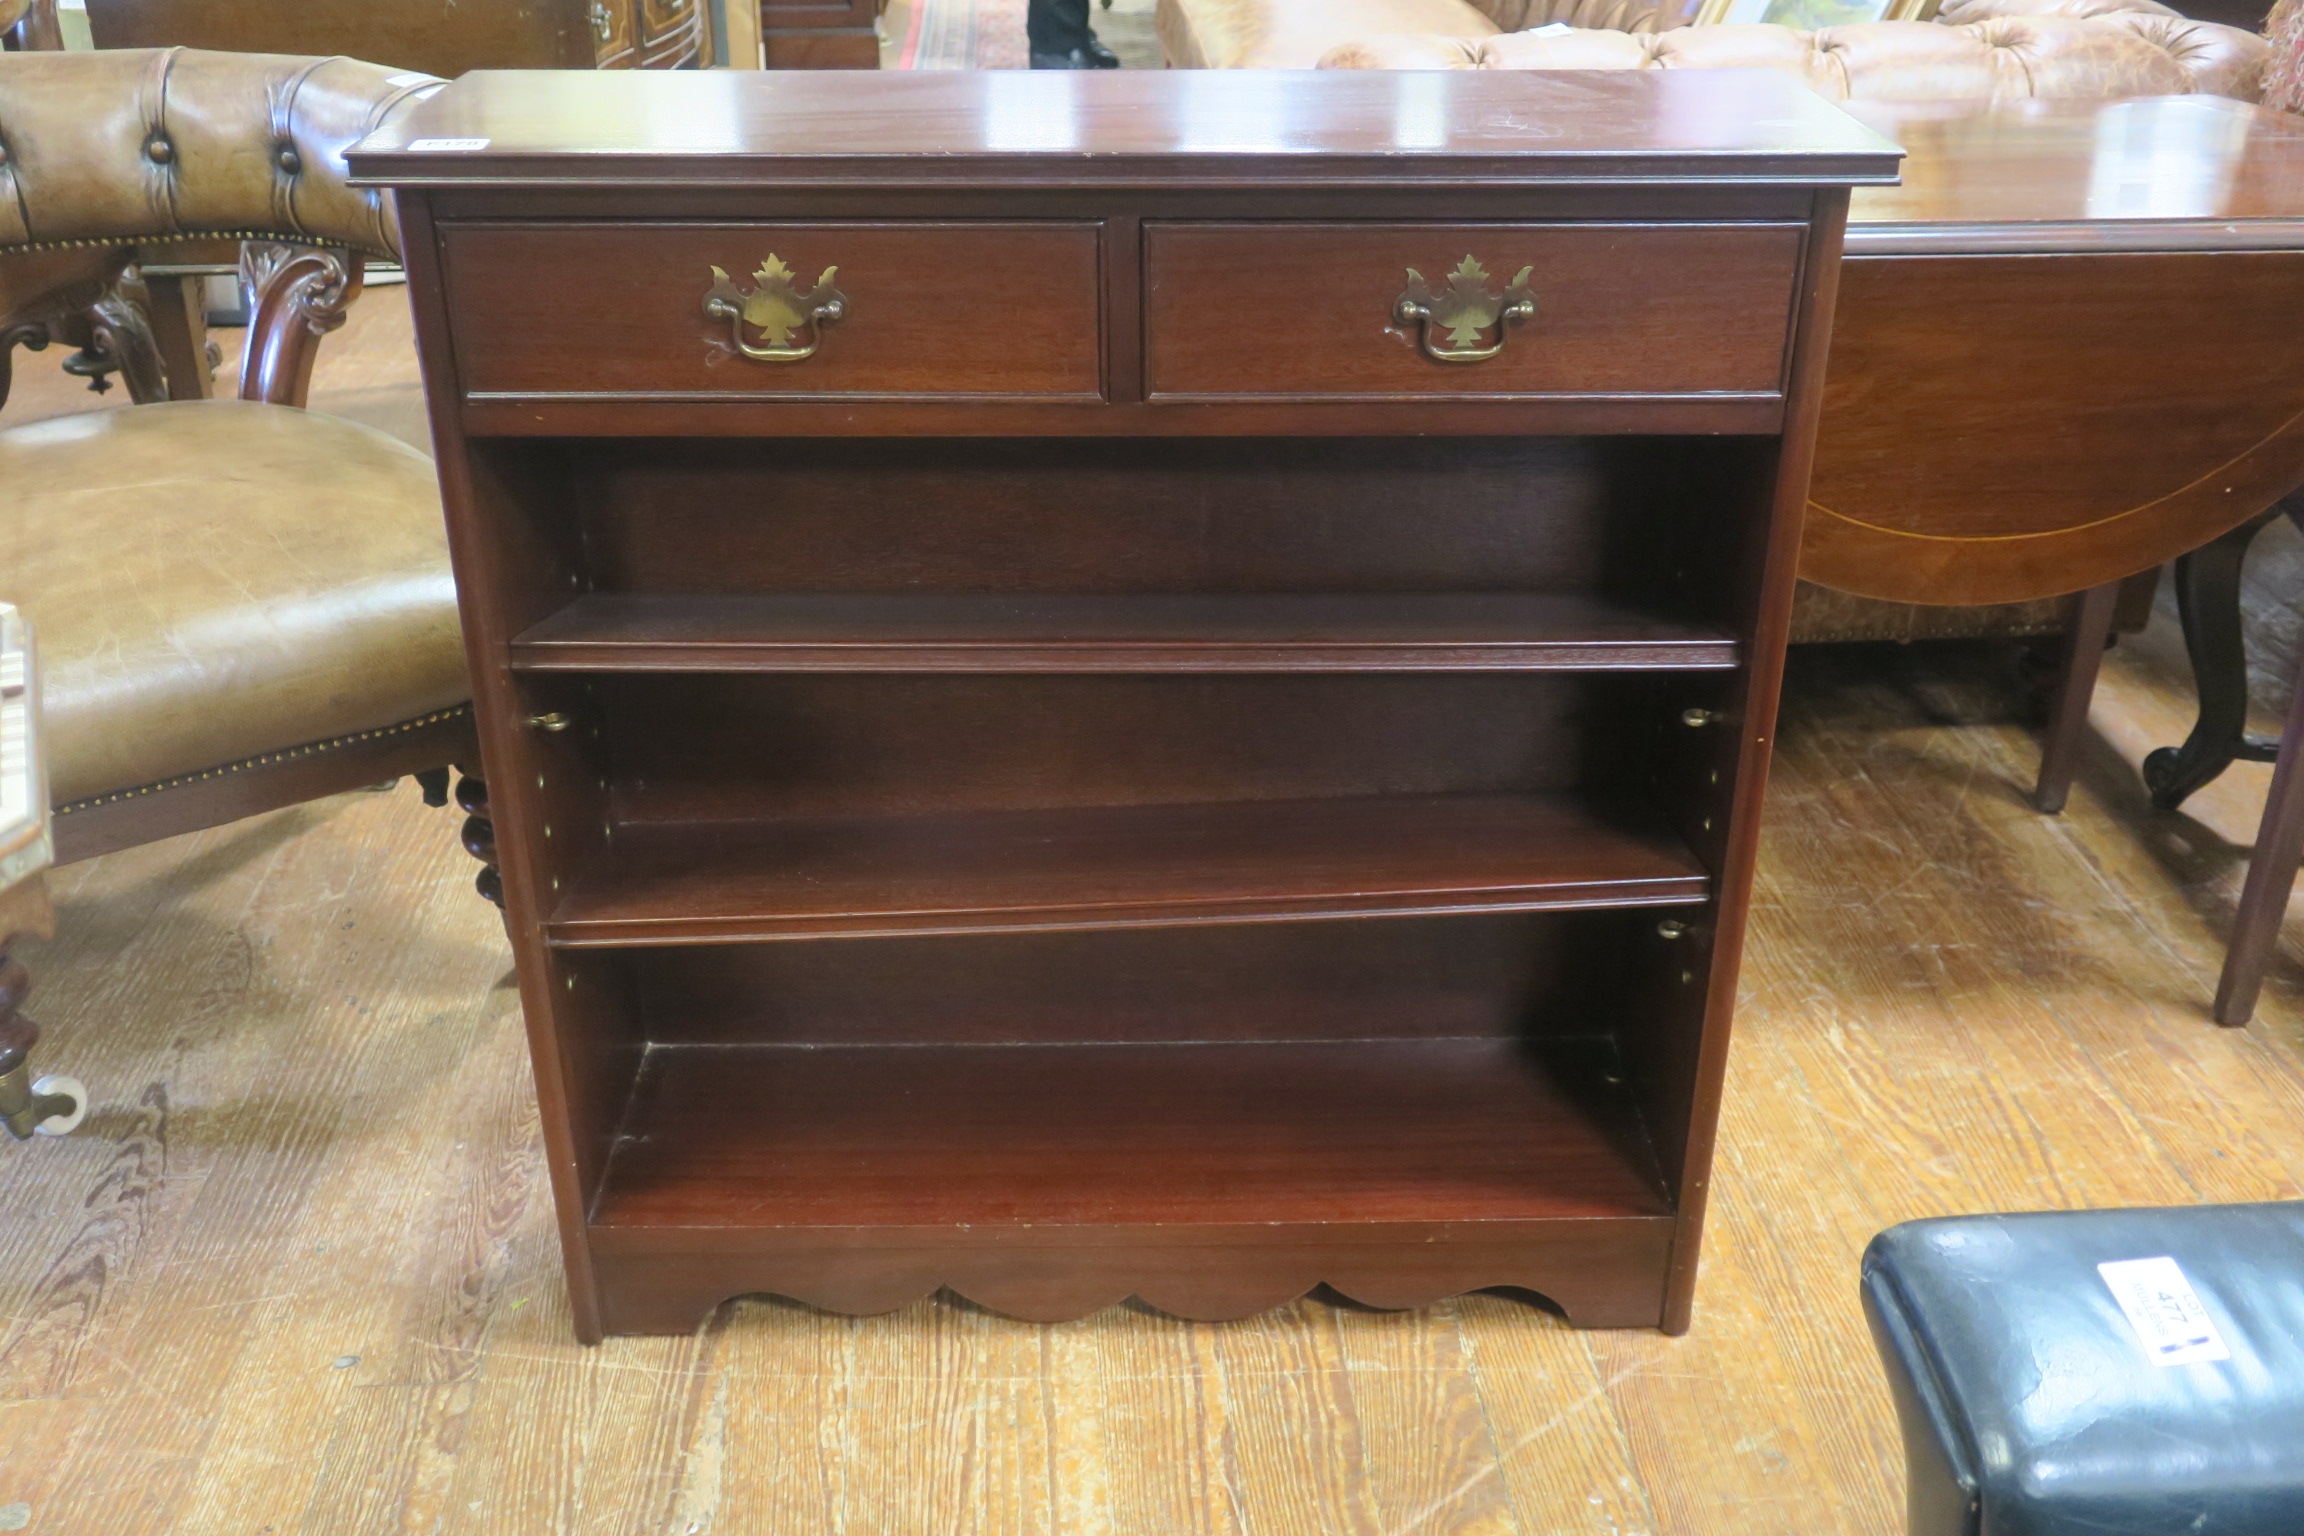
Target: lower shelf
{"points": [[1045, 1181], [1117, 866], [1303, 1133]]}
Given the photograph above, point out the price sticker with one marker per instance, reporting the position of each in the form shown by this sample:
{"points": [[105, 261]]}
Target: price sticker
{"points": [[2170, 1320]]}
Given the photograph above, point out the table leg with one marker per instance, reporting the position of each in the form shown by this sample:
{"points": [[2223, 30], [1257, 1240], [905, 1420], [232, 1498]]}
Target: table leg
{"points": [[2068, 724], [2271, 875], [2208, 598]]}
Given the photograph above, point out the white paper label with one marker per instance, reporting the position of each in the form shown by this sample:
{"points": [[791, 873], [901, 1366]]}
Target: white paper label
{"points": [[2165, 1311], [447, 144], [413, 77], [1551, 29]]}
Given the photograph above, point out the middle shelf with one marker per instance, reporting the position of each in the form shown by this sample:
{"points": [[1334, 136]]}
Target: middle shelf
{"points": [[1118, 866], [1117, 632]]}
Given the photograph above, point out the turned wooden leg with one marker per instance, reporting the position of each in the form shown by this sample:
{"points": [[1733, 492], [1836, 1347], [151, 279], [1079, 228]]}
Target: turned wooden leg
{"points": [[2075, 687], [480, 833], [51, 1105], [2208, 598], [434, 783]]}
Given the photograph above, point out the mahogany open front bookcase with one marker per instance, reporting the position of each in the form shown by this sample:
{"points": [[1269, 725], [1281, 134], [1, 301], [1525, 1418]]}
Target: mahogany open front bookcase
{"points": [[1125, 685]]}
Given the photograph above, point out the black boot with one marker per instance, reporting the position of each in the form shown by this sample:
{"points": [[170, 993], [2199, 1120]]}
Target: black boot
{"points": [[1060, 37]]}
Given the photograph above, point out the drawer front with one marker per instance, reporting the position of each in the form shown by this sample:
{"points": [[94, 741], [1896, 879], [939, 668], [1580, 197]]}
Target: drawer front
{"points": [[611, 23], [939, 311], [1330, 311]]}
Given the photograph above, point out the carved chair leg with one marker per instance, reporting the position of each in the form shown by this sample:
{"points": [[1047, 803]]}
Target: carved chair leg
{"points": [[51, 1106], [2075, 688], [2208, 598], [115, 335], [480, 833]]}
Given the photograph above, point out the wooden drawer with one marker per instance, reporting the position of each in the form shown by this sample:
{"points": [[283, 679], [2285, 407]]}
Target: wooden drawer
{"points": [[611, 23], [1239, 311], [930, 310]]}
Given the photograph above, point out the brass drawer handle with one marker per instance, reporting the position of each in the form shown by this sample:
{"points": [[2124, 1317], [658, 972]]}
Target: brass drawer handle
{"points": [[1465, 309], [776, 310]]}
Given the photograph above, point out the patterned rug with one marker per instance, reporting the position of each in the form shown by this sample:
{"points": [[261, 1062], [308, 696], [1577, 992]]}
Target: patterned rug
{"points": [[989, 34], [963, 34]]}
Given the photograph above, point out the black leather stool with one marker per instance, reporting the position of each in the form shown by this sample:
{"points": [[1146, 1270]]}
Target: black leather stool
{"points": [[2049, 1384]]}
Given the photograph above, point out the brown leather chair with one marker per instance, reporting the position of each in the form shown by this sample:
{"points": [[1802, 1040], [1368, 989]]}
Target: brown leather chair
{"points": [[240, 604]]}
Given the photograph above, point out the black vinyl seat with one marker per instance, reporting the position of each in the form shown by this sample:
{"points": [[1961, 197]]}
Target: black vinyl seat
{"points": [[2033, 1405]]}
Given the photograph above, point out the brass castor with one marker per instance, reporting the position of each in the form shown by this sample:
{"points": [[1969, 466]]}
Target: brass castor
{"points": [[47, 1106]]}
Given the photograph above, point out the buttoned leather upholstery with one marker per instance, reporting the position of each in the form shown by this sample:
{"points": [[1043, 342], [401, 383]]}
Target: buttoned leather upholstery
{"points": [[1293, 34], [1960, 13], [143, 144], [148, 146], [210, 581], [2001, 58], [1997, 50]]}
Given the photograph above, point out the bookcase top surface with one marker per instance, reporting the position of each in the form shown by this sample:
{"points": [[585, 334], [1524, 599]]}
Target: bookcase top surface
{"points": [[952, 129]]}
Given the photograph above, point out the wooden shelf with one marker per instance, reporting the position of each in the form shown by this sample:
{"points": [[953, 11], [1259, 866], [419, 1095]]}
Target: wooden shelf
{"points": [[1314, 1133], [1109, 867], [1199, 632]]}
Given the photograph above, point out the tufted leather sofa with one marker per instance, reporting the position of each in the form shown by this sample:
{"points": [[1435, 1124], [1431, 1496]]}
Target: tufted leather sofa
{"points": [[1976, 49], [1997, 58], [1293, 34], [225, 592]]}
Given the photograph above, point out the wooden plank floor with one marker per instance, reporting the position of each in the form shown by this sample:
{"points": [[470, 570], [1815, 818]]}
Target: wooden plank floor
{"points": [[297, 1273]]}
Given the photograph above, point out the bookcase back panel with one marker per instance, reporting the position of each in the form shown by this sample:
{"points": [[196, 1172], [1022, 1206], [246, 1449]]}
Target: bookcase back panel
{"points": [[1097, 515], [740, 747], [1537, 976]]}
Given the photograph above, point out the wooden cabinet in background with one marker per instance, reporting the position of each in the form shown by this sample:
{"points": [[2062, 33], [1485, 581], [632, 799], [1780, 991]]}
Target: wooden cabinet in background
{"points": [[820, 34], [439, 37], [1062, 724]]}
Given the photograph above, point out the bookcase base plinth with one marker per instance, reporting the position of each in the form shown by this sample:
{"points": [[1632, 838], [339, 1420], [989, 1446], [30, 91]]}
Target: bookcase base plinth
{"points": [[1603, 1272]]}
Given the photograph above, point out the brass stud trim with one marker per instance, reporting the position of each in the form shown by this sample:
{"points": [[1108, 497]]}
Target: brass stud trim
{"points": [[269, 759], [92, 243]]}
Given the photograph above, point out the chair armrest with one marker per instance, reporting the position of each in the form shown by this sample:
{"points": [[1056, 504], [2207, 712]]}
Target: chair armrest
{"points": [[301, 294]]}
